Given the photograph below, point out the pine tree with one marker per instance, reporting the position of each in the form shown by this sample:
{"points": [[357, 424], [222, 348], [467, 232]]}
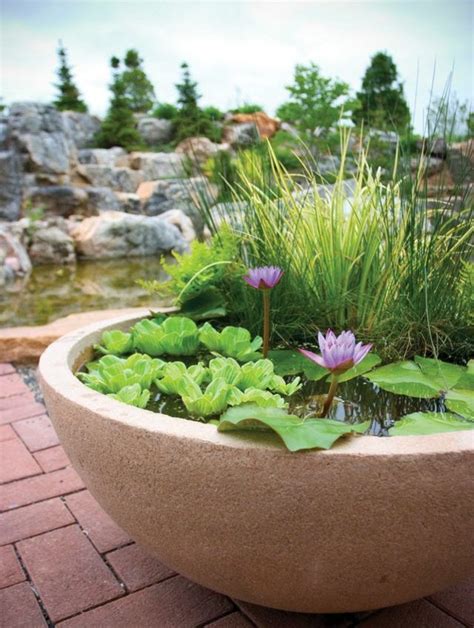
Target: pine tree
{"points": [[383, 104], [69, 98], [118, 127], [191, 120], [138, 88]]}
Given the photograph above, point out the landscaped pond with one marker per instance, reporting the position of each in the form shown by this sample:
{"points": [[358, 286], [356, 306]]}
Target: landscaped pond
{"points": [[51, 292]]}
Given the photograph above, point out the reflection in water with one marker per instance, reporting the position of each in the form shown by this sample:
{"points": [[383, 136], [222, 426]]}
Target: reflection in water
{"points": [[51, 292]]}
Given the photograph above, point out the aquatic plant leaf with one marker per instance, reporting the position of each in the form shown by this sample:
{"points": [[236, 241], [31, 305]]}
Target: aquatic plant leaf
{"points": [[466, 381], [207, 304], [110, 374], [404, 378], [212, 401], [226, 368], [133, 395], [176, 335], [294, 432], [175, 376], [115, 342], [419, 423], [443, 374], [257, 374], [368, 363], [461, 401], [262, 398], [233, 342], [289, 362], [278, 385]]}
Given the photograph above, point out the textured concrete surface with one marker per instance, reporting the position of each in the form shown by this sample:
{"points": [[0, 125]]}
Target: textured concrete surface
{"points": [[371, 523], [134, 588]]}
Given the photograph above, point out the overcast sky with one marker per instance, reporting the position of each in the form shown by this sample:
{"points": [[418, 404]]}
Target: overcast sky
{"points": [[238, 51]]}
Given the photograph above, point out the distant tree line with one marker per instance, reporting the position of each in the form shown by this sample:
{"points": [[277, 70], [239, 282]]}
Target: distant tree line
{"points": [[315, 105]]}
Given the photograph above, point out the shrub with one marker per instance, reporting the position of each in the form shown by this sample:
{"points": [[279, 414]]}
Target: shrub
{"points": [[247, 108], [165, 111]]}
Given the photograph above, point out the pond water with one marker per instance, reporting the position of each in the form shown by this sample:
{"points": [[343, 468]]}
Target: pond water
{"points": [[51, 292], [356, 401]]}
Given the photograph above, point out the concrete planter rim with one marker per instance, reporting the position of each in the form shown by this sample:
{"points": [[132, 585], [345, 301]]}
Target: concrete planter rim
{"points": [[60, 358]]}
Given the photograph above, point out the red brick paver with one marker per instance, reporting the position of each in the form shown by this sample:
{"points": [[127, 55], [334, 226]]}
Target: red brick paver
{"points": [[99, 527], [65, 563]]}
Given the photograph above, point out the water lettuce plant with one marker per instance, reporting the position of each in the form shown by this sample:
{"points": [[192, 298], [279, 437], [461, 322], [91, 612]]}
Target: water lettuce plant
{"points": [[223, 379]]}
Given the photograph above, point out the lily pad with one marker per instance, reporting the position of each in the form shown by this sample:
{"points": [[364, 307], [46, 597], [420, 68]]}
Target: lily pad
{"points": [[419, 423], [461, 401], [404, 378], [293, 431], [289, 362], [368, 363], [443, 374], [466, 381]]}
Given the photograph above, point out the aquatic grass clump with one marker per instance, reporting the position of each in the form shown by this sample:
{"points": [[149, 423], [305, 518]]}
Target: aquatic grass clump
{"points": [[381, 258]]}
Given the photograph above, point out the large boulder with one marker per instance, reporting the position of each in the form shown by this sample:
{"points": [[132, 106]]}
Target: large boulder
{"points": [[157, 165], [155, 131], [118, 179], [241, 135], [101, 199], [266, 126], [10, 185], [200, 149], [80, 127], [129, 203], [115, 234], [14, 260], [39, 132], [51, 245], [62, 200], [112, 157]]}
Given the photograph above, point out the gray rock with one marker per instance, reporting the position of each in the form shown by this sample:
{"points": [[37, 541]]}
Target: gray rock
{"points": [[101, 199], [241, 135], [4, 133], [115, 234], [80, 127], [129, 203], [430, 165], [51, 245], [14, 260], [10, 186], [112, 157], [39, 132], [200, 149], [158, 165], [119, 179], [63, 200], [155, 131]]}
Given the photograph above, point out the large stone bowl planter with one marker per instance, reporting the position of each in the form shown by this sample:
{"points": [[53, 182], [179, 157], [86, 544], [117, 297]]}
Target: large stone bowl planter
{"points": [[371, 523]]}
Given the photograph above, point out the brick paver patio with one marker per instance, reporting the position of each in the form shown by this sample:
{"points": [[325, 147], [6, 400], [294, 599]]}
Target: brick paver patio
{"points": [[64, 562]]}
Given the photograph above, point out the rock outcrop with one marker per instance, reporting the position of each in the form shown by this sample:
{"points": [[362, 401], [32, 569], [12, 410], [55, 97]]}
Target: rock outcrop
{"points": [[51, 245], [80, 127], [118, 179], [266, 126], [157, 165], [10, 185], [199, 149], [61, 200], [155, 131], [115, 234]]}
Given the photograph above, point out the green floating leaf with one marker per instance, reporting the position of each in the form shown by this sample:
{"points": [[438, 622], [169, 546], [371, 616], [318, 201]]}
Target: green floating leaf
{"points": [[110, 374], [207, 304], [233, 342], [443, 374], [176, 335], [419, 423], [466, 381], [461, 401], [115, 342], [293, 431], [404, 378], [367, 364], [174, 377], [289, 362], [132, 395]]}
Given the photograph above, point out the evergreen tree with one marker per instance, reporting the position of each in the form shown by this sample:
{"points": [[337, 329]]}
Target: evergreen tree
{"points": [[118, 127], [69, 98], [138, 88], [190, 120], [383, 104]]}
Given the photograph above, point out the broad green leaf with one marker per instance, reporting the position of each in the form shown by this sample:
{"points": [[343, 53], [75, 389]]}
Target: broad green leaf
{"points": [[207, 304], [115, 342], [295, 433], [110, 374], [176, 335], [133, 395], [461, 401], [212, 401], [257, 374], [262, 398], [466, 381], [367, 364], [233, 342], [175, 377], [226, 368], [443, 374], [419, 423], [289, 362], [278, 385], [404, 378]]}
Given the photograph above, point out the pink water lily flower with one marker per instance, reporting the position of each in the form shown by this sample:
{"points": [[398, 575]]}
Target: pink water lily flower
{"points": [[339, 353], [264, 277]]}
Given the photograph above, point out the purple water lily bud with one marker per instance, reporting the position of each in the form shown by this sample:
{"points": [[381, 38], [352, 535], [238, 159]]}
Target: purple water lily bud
{"points": [[339, 353], [264, 277]]}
